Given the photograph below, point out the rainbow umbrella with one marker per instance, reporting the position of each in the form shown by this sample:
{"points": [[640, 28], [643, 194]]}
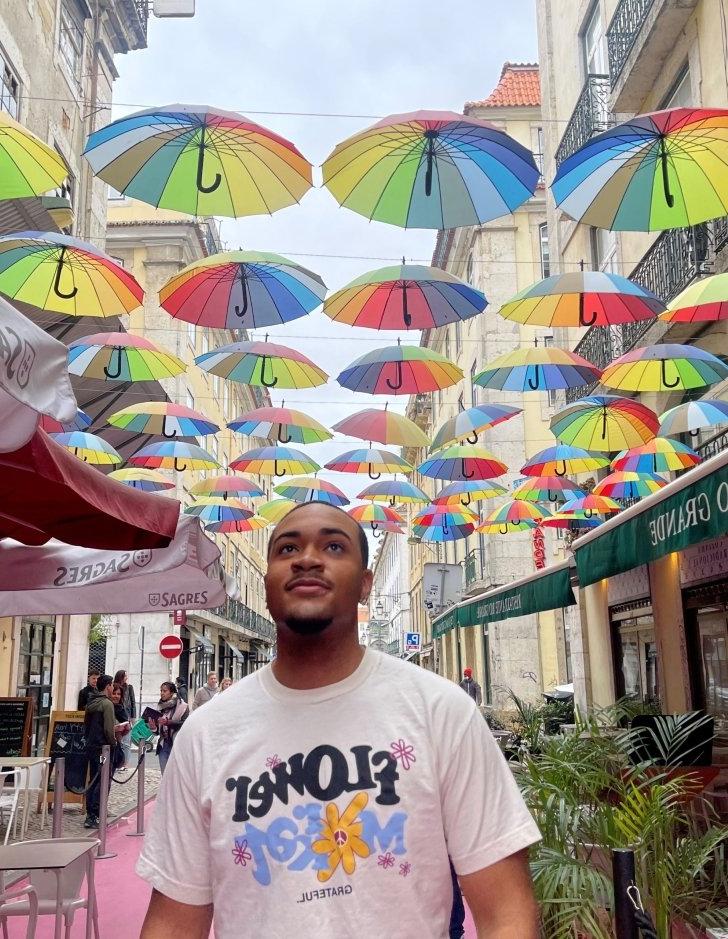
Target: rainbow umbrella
{"points": [[693, 416], [547, 489], [165, 418], [467, 424], [242, 289], [582, 298], [276, 509], [661, 455], [408, 296], [591, 504], [264, 364], [375, 516], [465, 491], [431, 169], [59, 273], [462, 462], [394, 492], [563, 460], [515, 515], [400, 370], [385, 426], [225, 486], [146, 480], [121, 357], [219, 510], [656, 171], [372, 462], [89, 447], [28, 167], [605, 423], [703, 301], [310, 489], [284, 425], [627, 485], [663, 368], [537, 369], [573, 522], [173, 454], [274, 461], [444, 523], [51, 426], [238, 526], [199, 160]]}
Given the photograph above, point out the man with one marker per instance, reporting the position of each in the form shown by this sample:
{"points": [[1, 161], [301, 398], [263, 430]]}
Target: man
{"points": [[85, 693], [181, 688], [470, 686], [207, 692], [322, 795], [99, 730]]}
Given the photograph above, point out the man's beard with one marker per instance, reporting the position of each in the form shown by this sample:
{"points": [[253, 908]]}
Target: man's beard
{"points": [[308, 626]]}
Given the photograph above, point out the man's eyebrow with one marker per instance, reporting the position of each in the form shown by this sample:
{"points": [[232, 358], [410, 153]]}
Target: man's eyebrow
{"points": [[335, 531]]}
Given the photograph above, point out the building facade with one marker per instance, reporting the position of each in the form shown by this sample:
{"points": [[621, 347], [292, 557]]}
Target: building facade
{"points": [[390, 601]]}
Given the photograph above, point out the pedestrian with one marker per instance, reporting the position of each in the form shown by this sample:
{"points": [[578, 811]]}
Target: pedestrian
{"points": [[330, 808], [93, 676], [181, 688], [99, 724], [121, 728], [128, 699], [174, 713], [225, 684], [207, 692], [471, 687]]}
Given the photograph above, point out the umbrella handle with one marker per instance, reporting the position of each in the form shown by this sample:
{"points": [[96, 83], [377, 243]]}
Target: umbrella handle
{"points": [[588, 513], [583, 321], [201, 167], [286, 439], [268, 384], [669, 198], [504, 529], [529, 380], [180, 469], [164, 430], [373, 475], [117, 373], [375, 530], [275, 469], [241, 311], [406, 316], [445, 530], [553, 496], [430, 136], [392, 502], [464, 472], [663, 376], [563, 472], [466, 502], [57, 280], [398, 384], [473, 438]]}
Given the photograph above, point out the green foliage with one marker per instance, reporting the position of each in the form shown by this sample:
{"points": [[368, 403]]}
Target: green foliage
{"points": [[95, 630]]}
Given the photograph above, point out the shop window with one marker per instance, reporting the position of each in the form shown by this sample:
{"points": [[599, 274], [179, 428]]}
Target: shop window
{"points": [[706, 620], [35, 673], [635, 653], [9, 88], [70, 37]]}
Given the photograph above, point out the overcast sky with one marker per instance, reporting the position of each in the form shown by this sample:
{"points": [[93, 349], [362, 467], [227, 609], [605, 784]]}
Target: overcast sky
{"points": [[365, 58]]}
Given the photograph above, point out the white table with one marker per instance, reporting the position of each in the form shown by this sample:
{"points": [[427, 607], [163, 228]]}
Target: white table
{"points": [[26, 763]]}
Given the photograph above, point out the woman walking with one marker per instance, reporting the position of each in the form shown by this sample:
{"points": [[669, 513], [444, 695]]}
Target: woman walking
{"points": [[174, 713], [224, 685], [121, 716], [128, 702]]}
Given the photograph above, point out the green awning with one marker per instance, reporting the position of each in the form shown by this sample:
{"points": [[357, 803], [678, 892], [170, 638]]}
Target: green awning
{"points": [[689, 510], [444, 623]]}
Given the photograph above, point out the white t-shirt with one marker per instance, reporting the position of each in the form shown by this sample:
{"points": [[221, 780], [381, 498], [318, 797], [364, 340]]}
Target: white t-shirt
{"points": [[332, 812]]}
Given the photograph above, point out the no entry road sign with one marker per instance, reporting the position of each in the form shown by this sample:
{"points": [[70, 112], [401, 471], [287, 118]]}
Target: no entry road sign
{"points": [[170, 647]]}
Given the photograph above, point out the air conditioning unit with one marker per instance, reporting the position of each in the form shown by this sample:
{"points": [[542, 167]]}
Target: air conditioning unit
{"points": [[164, 8]]}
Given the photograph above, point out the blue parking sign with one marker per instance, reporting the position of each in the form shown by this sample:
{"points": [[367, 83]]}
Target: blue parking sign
{"points": [[413, 642]]}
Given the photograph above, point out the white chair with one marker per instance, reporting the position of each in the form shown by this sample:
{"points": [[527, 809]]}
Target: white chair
{"points": [[32, 905], [44, 885], [10, 784]]}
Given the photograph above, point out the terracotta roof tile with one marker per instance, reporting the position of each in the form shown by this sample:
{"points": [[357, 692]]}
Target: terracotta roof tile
{"points": [[519, 86]]}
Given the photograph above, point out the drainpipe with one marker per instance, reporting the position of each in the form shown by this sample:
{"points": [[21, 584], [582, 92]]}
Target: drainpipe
{"points": [[90, 118]]}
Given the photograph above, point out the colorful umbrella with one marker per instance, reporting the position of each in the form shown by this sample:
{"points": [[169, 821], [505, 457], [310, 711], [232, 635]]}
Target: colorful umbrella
{"points": [[693, 416], [394, 492], [515, 515], [284, 425], [625, 486], [274, 461], [431, 169], [582, 298], [663, 368], [237, 526], [572, 522], [661, 455], [199, 160], [444, 523], [385, 426], [28, 167], [310, 489], [89, 448], [173, 454], [376, 516], [408, 296], [242, 289], [563, 460], [400, 370], [466, 425], [219, 510], [276, 509], [121, 357], [165, 418], [146, 480], [656, 171], [703, 301], [547, 489], [264, 364], [462, 462], [537, 369], [465, 491], [64, 275], [605, 423], [591, 504], [225, 486], [372, 462], [51, 426]]}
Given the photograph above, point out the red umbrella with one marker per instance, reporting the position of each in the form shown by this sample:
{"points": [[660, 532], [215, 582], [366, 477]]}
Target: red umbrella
{"points": [[47, 493]]}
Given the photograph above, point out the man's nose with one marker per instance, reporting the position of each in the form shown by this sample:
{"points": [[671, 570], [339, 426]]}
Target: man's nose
{"points": [[308, 557]]}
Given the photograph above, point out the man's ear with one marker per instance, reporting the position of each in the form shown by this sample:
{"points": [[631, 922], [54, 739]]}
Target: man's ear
{"points": [[366, 586]]}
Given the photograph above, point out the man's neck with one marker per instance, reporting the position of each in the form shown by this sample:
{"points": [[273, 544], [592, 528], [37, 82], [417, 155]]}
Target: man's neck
{"points": [[305, 662]]}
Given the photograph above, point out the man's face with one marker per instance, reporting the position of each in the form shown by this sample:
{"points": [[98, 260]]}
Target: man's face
{"points": [[92, 679], [212, 681], [109, 691], [315, 575]]}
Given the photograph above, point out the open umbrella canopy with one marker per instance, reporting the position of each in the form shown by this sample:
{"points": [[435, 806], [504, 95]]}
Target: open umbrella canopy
{"points": [[238, 526], [264, 364], [409, 296], [226, 486], [173, 454], [311, 489], [394, 492], [591, 504], [431, 169], [572, 522], [465, 491], [444, 523], [276, 509], [373, 462], [537, 369], [284, 425], [563, 460], [513, 516], [462, 462], [274, 461], [628, 485], [400, 370], [165, 418], [242, 289], [656, 171], [663, 368], [467, 424], [52, 426], [547, 489], [582, 298], [143, 479], [219, 510], [703, 301], [28, 167], [693, 416], [661, 455], [59, 273], [89, 447], [605, 423], [385, 426], [199, 160], [121, 357], [375, 515]]}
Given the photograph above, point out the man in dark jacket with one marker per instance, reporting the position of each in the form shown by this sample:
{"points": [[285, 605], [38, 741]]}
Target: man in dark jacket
{"points": [[99, 724], [85, 693], [182, 690], [470, 686]]}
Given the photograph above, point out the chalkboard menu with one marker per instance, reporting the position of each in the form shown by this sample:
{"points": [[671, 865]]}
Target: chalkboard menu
{"points": [[16, 715], [66, 738]]}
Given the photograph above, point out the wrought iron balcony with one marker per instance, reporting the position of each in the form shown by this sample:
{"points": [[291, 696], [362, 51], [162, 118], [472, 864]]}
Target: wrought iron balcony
{"points": [[715, 445], [241, 615], [591, 116], [472, 568], [623, 30]]}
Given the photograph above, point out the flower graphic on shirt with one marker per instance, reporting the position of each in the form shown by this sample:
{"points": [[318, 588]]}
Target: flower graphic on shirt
{"points": [[386, 860], [273, 761], [403, 752], [404, 869], [240, 852], [341, 837]]}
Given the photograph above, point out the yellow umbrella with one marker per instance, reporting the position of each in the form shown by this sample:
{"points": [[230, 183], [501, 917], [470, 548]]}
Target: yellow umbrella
{"points": [[28, 167]]}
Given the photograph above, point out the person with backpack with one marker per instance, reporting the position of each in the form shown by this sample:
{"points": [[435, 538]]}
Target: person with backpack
{"points": [[99, 730]]}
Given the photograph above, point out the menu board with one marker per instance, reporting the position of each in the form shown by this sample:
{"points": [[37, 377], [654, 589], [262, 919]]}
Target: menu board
{"points": [[16, 716], [67, 738]]}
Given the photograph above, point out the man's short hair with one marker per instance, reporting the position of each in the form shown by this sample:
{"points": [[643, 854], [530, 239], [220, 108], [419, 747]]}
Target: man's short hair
{"points": [[93, 671], [211, 675], [104, 682], [363, 540]]}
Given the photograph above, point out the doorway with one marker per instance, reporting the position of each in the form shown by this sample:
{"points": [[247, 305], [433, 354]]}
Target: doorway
{"points": [[35, 673]]}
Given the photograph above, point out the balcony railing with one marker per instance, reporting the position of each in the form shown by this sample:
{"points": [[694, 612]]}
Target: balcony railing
{"points": [[715, 445], [241, 615], [472, 568], [142, 8], [591, 116], [622, 32]]}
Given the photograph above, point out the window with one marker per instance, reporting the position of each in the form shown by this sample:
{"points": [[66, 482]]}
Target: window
{"points": [[205, 341], [538, 150], [458, 337], [604, 250], [190, 399], [594, 42], [191, 335], [225, 400], [548, 342], [543, 241], [70, 37], [9, 88], [473, 386], [469, 269], [447, 343], [680, 94]]}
